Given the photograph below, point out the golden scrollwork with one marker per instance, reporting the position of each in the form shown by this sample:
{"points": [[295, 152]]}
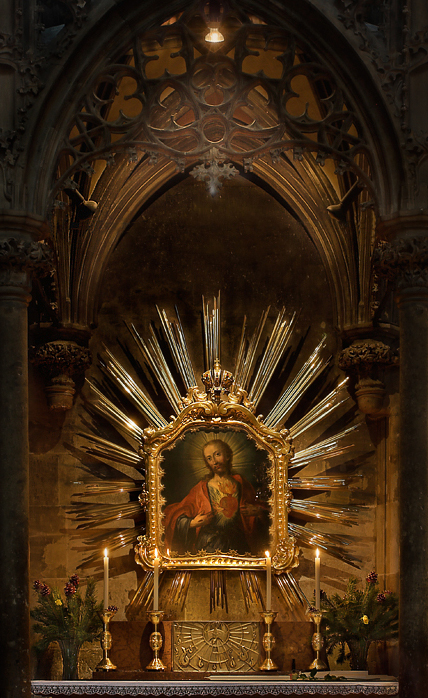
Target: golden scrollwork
{"points": [[205, 413]]}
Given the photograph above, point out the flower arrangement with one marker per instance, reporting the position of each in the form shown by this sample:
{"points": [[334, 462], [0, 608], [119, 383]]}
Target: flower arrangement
{"points": [[357, 619], [69, 622]]}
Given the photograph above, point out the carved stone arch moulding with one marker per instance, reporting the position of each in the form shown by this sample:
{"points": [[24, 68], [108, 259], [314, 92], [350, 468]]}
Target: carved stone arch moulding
{"points": [[261, 93], [284, 179]]}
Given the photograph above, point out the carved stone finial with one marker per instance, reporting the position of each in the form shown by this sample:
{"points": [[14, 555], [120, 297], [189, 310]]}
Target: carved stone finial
{"points": [[361, 358], [404, 261], [59, 361]]}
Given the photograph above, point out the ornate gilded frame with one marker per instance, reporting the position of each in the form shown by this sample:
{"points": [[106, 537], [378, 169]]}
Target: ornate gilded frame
{"points": [[218, 409]]}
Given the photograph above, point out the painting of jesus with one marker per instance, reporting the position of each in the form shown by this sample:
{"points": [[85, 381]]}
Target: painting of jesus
{"points": [[221, 512]]}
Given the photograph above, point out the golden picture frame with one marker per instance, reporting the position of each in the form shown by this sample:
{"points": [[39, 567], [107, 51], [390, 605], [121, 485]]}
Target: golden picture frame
{"points": [[190, 524]]}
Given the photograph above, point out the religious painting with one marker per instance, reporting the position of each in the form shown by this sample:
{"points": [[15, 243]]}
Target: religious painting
{"points": [[216, 498], [217, 489]]}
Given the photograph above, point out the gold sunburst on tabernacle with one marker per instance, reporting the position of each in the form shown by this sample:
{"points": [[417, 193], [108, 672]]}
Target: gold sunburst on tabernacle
{"points": [[267, 465]]}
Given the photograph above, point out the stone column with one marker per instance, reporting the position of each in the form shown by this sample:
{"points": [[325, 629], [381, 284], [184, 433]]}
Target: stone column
{"points": [[405, 261], [20, 253]]}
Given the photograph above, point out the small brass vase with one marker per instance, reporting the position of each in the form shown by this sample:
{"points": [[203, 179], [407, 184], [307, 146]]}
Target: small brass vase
{"points": [[268, 641], [155, 642], [106, 664], [317, 642]]}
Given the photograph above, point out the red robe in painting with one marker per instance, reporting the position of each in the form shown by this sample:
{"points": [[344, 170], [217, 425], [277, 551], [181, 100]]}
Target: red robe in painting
{"points": [[198, 502]]}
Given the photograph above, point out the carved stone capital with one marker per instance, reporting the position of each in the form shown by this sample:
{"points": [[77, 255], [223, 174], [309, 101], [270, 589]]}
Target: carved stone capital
{"points": [[19, 258], [61, 361], [403, 261], [365, 354], [361, 358]]}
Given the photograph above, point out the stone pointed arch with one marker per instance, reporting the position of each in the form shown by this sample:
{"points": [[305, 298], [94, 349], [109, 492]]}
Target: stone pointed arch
{"points": [[351, 128]]}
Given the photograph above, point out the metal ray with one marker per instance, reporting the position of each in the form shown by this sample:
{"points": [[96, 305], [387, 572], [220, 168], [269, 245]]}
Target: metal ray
{"points": [[119, 538], [132, 391], [310, 370], [177, 343], [114, 415], [345, 515], [96, 488], [96, 515], [109, 450], [246, 358], [254, 580], [323, 482], [292, 595], [334, 545], [276, 346], [178, 588], [298, 591], [141, 596], [153, 355], [324, 449], [244, 590], [211, 319], [320, 411]]}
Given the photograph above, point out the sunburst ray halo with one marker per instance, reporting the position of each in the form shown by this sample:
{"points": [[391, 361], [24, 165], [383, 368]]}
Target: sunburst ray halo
{"points": [[253, 372]]}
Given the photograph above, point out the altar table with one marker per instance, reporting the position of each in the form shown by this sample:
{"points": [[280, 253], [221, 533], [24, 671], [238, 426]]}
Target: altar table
{"points": [[263, 686]]}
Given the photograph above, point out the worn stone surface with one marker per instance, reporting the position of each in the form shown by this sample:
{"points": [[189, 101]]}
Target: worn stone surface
{"points": [[413, 485], [14, 503]]}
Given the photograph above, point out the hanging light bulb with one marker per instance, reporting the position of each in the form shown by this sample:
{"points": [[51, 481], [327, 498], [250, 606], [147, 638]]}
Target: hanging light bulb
{"points": [[214, 36], [213, 13]]}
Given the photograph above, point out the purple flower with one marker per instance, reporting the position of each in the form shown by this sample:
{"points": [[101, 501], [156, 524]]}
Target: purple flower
{"points": [[113, 609], [45, 591], [69, 589], [380, 598], [74, 580], [37, 586], [372, 577]]}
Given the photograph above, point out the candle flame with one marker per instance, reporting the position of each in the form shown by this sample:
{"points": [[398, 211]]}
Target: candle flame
{"points": [[317, 554], [267, 553], [156, 553], [105, 552]]}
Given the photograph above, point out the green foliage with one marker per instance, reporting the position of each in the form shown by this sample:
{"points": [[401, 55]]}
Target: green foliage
{"points": [[75, 620], [359, 618]]}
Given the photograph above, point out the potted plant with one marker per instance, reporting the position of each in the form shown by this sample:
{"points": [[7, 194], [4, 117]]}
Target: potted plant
{"points": [[362, 616], [70, 622]]}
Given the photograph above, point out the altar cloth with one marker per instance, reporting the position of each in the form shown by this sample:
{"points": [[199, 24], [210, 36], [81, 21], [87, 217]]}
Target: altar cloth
{"points": [[277, 686]]}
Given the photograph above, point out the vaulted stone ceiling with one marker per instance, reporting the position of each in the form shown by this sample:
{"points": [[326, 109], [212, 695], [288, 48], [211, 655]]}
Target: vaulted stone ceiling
{"points": [[159, 104]]}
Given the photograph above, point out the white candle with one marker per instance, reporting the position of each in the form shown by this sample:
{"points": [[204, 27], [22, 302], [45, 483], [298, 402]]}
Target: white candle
{"points": [[317, 580], [268, 581], [156, 562], [105, 579]]}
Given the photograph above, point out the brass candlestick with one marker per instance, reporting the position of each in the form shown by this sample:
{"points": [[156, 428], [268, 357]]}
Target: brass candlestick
{"points": [[268, 641], [106, 664], [156, 642], [317, 642]]}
